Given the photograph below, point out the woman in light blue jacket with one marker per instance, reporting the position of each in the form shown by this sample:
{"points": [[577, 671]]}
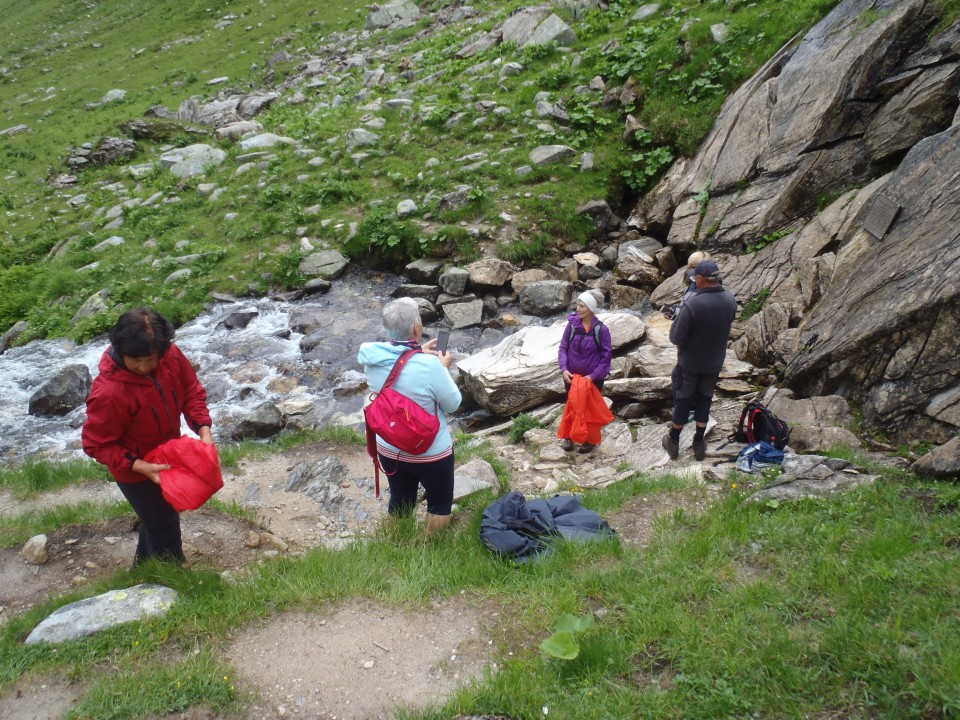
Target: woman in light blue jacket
{"points": [[426, 380]]}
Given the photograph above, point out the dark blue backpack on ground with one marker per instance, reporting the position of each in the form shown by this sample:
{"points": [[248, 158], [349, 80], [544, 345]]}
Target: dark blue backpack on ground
{"points": [[759, 456]]}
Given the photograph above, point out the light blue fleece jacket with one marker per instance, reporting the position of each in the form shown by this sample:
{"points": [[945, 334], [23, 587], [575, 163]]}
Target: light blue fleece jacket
{"points": [[424, 380]]}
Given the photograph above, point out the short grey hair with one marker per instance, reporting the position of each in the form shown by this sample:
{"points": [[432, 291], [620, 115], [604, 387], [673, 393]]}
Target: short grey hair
{"points": [[400, 317]]}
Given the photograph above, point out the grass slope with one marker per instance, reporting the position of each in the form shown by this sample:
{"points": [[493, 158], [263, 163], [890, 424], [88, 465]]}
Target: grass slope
{"points": [[843, 607], [56, 58]]}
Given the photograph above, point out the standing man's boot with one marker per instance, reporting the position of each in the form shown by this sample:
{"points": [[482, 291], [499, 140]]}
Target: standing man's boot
{"points": [[699, 448], [671, 446]]}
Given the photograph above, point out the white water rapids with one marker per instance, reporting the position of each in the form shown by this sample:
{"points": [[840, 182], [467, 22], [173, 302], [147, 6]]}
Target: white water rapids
{"points": [[240, 368]]}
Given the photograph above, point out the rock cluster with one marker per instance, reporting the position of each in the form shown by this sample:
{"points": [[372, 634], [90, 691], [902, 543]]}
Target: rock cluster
{"points": [[845, 310]]}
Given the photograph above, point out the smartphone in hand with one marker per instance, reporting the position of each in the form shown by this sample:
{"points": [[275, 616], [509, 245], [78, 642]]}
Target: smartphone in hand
{"points": [[442, 338]]}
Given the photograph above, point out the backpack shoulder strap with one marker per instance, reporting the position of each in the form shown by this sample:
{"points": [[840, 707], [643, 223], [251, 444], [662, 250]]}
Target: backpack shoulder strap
{"points": [[596, 333], [371, 437], [397, 368]]}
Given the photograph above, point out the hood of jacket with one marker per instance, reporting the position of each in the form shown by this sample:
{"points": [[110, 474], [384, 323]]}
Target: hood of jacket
{"points": [[112, 370], [382, 354]]}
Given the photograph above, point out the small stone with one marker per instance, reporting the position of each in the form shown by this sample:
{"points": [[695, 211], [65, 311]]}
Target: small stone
{"points": [[36, 550], [252, 540], [78, 580], [368, 664], [90, 565], [273, 540]]}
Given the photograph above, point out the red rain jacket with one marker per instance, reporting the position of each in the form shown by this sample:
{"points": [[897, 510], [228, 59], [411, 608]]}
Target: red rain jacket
{"points": [[585, 413], [128, 415]]}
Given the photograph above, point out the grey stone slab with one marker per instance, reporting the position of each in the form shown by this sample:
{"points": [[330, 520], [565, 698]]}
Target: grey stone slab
{"points": [[86, 617]]}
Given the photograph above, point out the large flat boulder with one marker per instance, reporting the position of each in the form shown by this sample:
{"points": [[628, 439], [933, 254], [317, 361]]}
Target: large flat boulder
{"points": [[521, 372], [192, 160]]}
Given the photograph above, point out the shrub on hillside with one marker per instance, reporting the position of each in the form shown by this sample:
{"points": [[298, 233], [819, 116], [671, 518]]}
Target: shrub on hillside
{"points": [[384, 241]]}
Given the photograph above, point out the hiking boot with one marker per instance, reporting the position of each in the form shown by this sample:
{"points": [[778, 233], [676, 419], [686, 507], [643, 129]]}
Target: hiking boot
{"points": [[671, 446], [585, 448], [699, 448], [566, 444]]}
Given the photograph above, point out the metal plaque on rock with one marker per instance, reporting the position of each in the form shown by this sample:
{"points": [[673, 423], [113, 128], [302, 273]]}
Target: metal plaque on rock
{"points": [[881, 216]]}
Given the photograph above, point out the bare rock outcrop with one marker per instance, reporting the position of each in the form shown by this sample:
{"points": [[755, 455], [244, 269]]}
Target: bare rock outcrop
{"points": [[885, 329], [815, 120], [941, 462], [816, 424]]}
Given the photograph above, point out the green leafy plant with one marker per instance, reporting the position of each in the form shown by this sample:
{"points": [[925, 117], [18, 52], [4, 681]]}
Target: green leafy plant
{"points": [[702, 198], [329, 192], [440, 114], [754, 304], [767, 240], [384, 240], [587, 119], [521, 423], [642, 168], [563, 644], [274, 195], [538, 52]]}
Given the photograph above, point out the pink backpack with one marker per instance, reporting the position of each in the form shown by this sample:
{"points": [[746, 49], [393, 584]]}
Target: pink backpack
{"points": [[398, 420]]}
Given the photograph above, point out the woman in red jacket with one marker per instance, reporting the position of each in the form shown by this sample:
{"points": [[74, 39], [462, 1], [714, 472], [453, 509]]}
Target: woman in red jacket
{"points": [[145, 384]]}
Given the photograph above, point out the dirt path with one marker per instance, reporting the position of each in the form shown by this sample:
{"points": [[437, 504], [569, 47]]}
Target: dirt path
{"points": [[362, 660]]}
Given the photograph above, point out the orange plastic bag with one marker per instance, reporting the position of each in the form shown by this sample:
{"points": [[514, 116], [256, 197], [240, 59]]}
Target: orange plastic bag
{"points": [[585, 413], [194, 475]]}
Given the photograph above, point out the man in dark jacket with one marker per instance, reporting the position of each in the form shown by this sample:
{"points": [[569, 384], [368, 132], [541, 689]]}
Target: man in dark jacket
{"points": [[700, 331]]}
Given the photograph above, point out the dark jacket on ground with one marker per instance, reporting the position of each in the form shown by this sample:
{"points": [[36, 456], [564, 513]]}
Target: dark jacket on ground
{"points": [[517, 528], [128, 415], [581, 355], [701, 330]]}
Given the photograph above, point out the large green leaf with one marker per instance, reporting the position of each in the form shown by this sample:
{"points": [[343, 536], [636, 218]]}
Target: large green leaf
{"points": [[573, 624], [561, 645]]}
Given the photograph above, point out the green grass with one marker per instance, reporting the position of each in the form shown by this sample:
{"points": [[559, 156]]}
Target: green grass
{"points": [[845, 605], [521, 423], [17, 529], [754, 305], [231, 453], [36, 476]]}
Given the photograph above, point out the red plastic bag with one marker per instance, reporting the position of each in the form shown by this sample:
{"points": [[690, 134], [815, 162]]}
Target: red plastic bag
{"points": [[585, 413], [194, 474]]}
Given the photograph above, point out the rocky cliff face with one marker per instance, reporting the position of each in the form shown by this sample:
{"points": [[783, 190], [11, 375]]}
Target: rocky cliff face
{"points": [[864, 106], [887, 325]]}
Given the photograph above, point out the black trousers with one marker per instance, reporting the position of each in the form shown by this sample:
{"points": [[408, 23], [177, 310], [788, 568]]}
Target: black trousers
{"points": [[405, 477], [692, 391], [159, 523]]}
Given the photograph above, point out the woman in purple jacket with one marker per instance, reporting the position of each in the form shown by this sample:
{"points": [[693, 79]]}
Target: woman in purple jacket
{"points": [[585, 349]]}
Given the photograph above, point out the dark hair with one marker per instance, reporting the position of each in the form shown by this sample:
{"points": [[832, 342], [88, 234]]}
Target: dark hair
{"points": [[142, 332]]}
